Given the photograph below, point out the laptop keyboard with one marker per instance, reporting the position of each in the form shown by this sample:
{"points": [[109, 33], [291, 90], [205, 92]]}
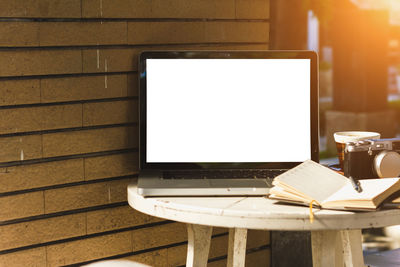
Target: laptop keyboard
{"points": [[223, 174]]}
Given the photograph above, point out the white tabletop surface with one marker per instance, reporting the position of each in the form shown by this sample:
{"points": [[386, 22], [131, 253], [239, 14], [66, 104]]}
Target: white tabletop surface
{"points": [[255, 213]]}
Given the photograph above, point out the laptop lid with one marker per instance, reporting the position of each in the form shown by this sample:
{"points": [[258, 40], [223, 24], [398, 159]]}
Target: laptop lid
{"points": [[227, 109]]}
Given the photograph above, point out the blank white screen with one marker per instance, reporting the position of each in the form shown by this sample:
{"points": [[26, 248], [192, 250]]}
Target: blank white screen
{"points": [[228, 110]]}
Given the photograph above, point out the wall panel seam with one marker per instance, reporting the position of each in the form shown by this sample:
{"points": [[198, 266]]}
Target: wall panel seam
{"points": [[60, 241], [138, 252], [86, 182], [123, 46], [59, 158], [63, 213], [65, 75], [105, 19], [73, 129], [73, 102]]}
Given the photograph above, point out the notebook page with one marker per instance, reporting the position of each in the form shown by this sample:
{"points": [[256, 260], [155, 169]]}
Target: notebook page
{"points": [[279, 193], [314, 180], [371, 188]]}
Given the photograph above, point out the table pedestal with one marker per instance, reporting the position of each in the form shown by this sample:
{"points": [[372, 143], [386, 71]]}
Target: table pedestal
{"points": [[337, 248], [237, 247], [199, 239], [329, 248]]}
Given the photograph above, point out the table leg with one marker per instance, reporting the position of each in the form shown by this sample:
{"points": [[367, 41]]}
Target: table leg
{"points": [[199, 239], [326, 248], [237, 247], [352, 248], [337, 248]]}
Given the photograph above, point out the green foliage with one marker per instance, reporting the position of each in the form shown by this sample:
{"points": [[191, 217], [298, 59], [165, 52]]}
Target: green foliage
{"points": [[325, 65], [327, 154], [395, 104]]}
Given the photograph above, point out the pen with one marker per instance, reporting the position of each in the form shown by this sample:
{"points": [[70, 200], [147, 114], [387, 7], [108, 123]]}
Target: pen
{"points": [[355, 184]]}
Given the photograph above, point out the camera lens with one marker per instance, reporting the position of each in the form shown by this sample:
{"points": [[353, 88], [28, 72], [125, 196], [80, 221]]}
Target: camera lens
{"points": [[387, 164]]}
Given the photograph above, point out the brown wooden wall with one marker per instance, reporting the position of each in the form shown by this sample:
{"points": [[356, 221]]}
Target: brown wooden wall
{"points": [[68, 124]]}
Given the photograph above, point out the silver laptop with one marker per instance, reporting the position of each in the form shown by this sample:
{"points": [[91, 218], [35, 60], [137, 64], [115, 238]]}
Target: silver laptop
{"points": [[224, 122]]}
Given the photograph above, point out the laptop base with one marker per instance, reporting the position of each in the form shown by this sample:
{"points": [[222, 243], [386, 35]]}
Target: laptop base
{"points": [[151, 184]]}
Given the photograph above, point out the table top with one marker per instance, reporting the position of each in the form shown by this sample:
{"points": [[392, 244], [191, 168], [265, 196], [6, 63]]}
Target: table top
{"points": [[256, 213]]}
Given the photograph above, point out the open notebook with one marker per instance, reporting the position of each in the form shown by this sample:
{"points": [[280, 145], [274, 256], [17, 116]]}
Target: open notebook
{"points": [[313, 183]]}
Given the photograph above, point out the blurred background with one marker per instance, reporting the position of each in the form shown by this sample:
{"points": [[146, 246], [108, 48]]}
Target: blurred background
{"points": [[358, 42]]}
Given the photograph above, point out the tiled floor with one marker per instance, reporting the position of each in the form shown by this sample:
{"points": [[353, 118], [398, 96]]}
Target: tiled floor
{"points": [[377, 240], [381, 247]]}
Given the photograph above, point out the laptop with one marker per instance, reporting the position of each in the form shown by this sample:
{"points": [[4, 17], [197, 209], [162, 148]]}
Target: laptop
{"points": [[220, 123]]}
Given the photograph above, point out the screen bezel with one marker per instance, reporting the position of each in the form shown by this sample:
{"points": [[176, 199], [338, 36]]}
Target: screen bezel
{"points": [[314, 120]]}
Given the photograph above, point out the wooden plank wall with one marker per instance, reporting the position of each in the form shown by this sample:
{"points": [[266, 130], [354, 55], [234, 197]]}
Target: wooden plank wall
{"points": [[68, 124]]}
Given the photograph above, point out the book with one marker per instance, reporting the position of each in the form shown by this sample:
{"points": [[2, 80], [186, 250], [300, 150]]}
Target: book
{"points": [[312, 183]]}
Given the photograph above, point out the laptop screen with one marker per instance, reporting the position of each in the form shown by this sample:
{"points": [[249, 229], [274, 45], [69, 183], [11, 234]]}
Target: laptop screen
{"points": [[212, 110]]}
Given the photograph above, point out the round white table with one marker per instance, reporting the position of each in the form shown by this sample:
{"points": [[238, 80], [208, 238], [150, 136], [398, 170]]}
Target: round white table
{"points": [[335, 235]]}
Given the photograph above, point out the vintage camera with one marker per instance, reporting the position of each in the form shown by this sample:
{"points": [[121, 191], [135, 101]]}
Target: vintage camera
{"points": [[373, 158]]}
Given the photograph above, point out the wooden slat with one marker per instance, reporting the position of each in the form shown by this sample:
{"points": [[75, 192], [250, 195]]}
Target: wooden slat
{"points": [[96, 222], [116, 218], [109, 60], [40, 8], [224, 9], [23, 177], [29, 257], [219, 263], [83, 196], [83, 88], [20, 148], [39, 62], [158, 9], [52, 200], [103, 113], [177, 255], [22, 205], [40, 231], [82, 33], [257, 238], [259, 258], [19, 92], [158, 236], [19, 34], [89, 141], [196, 32], [71, 252], [120, 33], [89, 249], [252, 9], [67, 116], [111, 166], [40, 118]]}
